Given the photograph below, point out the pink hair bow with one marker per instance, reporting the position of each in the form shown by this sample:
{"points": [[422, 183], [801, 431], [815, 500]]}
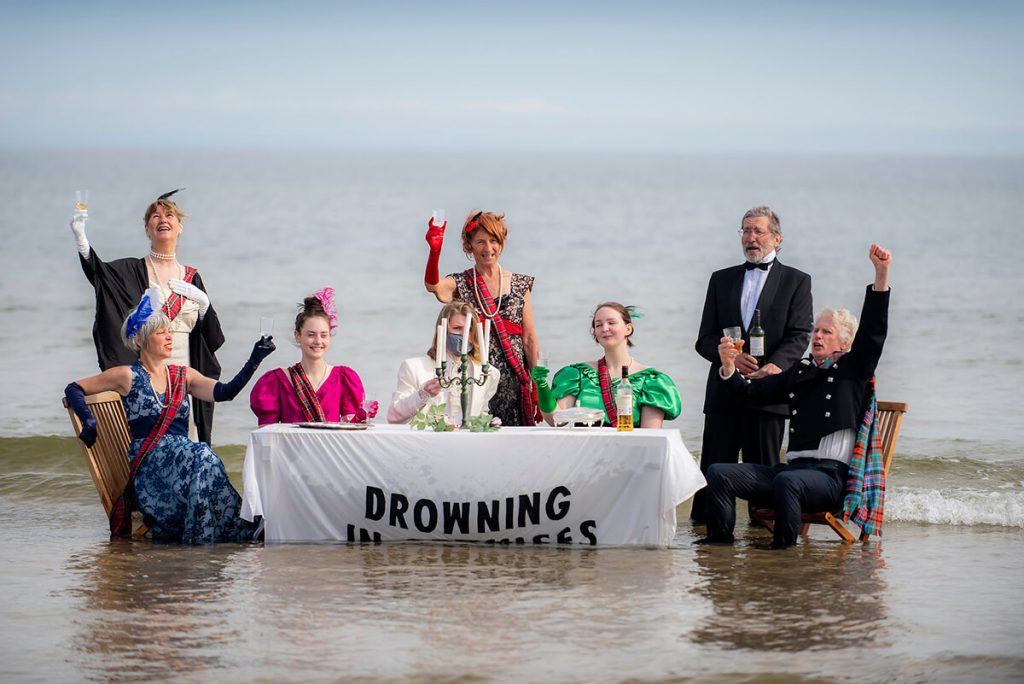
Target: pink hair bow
{"points": [[326, 297]]}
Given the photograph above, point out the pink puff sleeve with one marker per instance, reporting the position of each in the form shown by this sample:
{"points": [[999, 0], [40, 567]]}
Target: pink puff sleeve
{"points": [[352, 395], [265, 398]]}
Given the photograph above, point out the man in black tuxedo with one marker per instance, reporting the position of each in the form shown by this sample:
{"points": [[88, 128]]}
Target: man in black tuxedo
{"points": [[783, 296]]}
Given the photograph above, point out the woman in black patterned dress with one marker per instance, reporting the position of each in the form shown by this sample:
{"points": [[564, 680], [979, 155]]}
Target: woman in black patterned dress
{"points": [[502, 297]]}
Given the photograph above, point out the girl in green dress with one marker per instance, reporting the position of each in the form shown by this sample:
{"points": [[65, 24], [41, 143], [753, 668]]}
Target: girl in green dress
{"points": [[593, 384]]}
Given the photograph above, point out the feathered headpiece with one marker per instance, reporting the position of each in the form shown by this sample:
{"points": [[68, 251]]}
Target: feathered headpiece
{"points": [[167, 195], [634, 312], [149, 304], [326, 297]]}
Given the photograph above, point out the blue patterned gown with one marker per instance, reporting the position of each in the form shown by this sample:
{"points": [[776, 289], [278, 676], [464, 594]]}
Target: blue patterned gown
{"points": [[181, 487]]}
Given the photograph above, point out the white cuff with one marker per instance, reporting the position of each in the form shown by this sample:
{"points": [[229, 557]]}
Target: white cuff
{"points": [[725, 377]]}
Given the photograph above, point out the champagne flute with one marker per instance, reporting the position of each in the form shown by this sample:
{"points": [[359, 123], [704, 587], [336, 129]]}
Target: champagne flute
{"points": [[266, 326], [735, 333]]}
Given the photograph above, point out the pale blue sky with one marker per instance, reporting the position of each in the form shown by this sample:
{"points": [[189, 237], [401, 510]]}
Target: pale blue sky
{"points": [[861, 78]]}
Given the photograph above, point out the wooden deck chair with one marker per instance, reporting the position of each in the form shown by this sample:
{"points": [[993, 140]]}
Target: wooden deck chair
{"points": [[890, 415], [108, 457]]}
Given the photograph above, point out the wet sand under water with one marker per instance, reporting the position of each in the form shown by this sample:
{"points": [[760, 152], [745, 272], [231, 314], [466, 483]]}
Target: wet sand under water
{"points": [[929, 603]]}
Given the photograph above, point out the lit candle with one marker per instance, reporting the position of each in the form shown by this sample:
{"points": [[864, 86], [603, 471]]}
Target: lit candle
{"points": [[465, 336], [487, 340]]}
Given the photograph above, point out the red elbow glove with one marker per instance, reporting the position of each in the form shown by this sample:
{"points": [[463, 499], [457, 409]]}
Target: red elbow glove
{"points": [[435, 238]]}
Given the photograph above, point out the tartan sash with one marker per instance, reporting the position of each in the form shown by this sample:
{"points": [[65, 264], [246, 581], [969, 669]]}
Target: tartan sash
{"points": [[527, 400], [121, 511], [312, 411], [865, 485], [173, 304], [606, 392]]}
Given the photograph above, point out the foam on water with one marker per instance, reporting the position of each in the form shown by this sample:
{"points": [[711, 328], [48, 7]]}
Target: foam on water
{"points": [[957, 506]]}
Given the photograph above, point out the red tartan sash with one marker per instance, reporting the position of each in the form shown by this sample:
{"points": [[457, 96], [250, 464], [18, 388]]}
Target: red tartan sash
{"points": [[312, 411], [527, 402], [121, 512], [173, 304], [606, 392]]}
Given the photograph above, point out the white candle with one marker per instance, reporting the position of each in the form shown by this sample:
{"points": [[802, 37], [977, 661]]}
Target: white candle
{"points": [[487, 340], [437, 348], [479, 337], [444, 338], [465, 337]]}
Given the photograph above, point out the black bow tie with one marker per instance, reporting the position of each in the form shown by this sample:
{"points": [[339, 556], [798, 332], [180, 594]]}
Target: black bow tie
{"points": [[763, 265]]}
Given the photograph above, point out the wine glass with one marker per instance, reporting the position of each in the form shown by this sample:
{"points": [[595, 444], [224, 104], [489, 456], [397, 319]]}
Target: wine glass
{"points": [[367, 406], [81, 200], [438, 217]]}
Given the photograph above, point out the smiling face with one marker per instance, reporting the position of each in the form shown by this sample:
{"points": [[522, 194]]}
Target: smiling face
{"points": [[757, 239], [825, 339], [163, 228], [160, 343], [610, 330], [486, 248], [314, 339]]}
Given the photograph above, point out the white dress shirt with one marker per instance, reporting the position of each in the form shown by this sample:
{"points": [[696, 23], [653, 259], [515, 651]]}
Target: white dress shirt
{"points": [[753, 283]]}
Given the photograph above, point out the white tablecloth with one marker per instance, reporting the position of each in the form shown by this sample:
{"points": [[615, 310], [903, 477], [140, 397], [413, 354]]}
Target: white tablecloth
{"points": [[519, 485]]}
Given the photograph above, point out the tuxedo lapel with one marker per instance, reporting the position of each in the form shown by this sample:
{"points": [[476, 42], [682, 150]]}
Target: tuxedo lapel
{"points": [[735, 295], [771, 286]]}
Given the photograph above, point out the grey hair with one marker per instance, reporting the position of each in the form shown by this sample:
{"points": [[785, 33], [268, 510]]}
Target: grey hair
{"points": [[846, 325], [774, 222], [158, 320]]}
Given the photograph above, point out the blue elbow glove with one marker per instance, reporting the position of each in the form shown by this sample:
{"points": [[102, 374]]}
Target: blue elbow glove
{"points": [[226, 391], [76, 400]]}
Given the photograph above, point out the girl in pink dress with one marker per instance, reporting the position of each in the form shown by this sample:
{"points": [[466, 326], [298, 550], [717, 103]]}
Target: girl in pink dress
{"points": [[311, 390]]}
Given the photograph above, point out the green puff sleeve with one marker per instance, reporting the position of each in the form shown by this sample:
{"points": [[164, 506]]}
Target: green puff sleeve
{"points": [[579, 380], [653, 388]]}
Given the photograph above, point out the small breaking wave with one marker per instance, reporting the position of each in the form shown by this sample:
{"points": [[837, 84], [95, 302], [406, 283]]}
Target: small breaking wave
{"points": [[957, 506]]}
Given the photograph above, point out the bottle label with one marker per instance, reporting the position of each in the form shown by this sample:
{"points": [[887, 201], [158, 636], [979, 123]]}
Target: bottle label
{"points": [[757, 346]]}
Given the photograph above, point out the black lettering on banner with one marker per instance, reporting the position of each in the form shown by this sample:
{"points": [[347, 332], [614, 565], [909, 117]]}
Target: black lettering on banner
{"points": [[488, 518], [510, 512], [529, 505], [417, 517], [540, 539], [564, 537], [456, 514], [399, 505], [562, 506], [364, 535], [587, 530], [375, 503]]}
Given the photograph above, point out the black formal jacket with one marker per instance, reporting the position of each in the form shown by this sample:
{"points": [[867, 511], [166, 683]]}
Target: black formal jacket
{"points": [[786, 316], [824, 400], [119, 285]]}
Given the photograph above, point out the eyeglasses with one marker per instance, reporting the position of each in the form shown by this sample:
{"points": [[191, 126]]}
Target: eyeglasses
{"points": [[756, 232]]}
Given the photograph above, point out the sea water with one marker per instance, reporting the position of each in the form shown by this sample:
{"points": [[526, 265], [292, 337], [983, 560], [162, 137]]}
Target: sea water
{"points": [[938, 599]]}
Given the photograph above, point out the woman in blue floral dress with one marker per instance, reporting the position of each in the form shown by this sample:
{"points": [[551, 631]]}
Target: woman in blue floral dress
{"points": [[180, 486]]}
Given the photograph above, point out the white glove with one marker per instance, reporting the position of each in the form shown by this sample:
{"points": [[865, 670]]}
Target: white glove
{"points": [[192, 292], [78, 220]]}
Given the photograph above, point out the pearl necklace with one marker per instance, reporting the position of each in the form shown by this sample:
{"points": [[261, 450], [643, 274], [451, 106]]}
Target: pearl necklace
{"points": [[162, 257], [156, 395], [479, 299]]}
